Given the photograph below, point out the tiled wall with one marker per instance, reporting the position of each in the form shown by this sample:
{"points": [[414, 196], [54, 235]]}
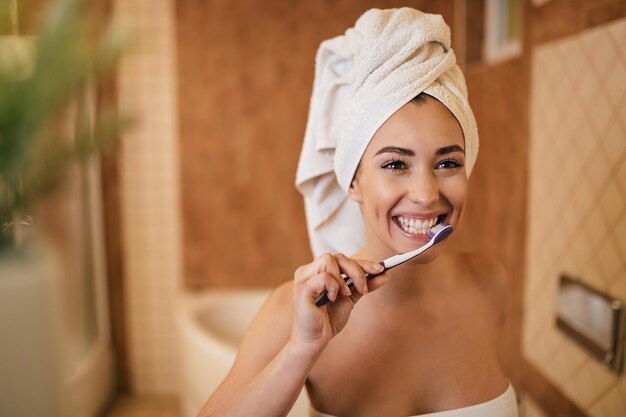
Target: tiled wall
{"points": [[577, 202], [245, 77], [528, 408], [150, 195]]}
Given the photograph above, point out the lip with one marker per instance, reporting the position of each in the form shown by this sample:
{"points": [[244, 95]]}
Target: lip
{"points": [[428, 215]]}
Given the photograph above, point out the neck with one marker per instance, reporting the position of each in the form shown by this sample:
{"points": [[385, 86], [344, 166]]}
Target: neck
{"points": [[408, 279]]}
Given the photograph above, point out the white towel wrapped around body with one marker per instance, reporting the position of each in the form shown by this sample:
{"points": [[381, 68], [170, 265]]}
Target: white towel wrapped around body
{"points": [[361, 79]]}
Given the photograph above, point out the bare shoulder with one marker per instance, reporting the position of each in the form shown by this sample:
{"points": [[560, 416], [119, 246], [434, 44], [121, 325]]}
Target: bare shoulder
{"points": [[486, 268], [490, 274]]}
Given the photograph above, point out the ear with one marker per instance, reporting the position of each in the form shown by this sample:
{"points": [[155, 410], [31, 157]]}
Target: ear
{"points": [[354, 192]]}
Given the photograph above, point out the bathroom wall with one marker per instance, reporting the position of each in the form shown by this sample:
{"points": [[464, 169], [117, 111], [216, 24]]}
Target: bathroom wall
{"points": [[245, 78], [500, 97], [577, 201], [149, 196], [157, 91], [231, 104]]}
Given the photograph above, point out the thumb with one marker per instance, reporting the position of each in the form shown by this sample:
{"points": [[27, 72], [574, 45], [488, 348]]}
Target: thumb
{"points": [[373, 268]]}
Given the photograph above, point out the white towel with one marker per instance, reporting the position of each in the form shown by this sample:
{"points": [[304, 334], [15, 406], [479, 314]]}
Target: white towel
{"points": [[361, 79]]}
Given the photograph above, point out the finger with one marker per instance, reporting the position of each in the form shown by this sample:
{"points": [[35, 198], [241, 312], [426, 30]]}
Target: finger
{"points": [[329, 263], [323, 263], [354, 271], [369, 266], [319, 284], [319, 264]]}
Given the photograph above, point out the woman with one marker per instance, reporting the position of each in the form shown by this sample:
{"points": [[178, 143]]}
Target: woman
{"points": [[390, 143]]}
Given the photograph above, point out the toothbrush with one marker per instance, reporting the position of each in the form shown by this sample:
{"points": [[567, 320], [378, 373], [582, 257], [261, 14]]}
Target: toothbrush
{"points": [[437, 234]]}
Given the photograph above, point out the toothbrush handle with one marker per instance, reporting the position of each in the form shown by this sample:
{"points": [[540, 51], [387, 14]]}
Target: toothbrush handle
{"points": [[323, 300]]}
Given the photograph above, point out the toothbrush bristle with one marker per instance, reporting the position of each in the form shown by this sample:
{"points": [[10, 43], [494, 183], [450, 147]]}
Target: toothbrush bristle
{"points": [[440, 232]]}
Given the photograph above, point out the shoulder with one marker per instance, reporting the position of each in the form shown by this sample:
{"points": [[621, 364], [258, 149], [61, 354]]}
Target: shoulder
{"points": [[486, 267], [490, 275]]}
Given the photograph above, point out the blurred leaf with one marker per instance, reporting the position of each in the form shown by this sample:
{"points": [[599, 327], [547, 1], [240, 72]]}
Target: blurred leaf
{"points": [[36, 91]]}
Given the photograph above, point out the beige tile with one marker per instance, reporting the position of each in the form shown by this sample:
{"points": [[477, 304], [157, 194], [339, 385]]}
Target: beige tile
{"points": [[580, 203], [611, 404], [150, 191], [529, 408], [617, 31], [564, 363], [613, 202], [569, 388], [598, 170], [589, 87], [584, 137], [620, 175], [600, 112], [570, 360], [613, 142], [599, 47], [145, 406], [621, 386], [576, 64], [591, 382], [610, 260], [618, 287], [583, 112], [621, 112], [594, 227], [615, 82]]}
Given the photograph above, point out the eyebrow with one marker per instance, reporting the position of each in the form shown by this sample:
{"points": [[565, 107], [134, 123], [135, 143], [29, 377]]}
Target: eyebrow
{"points": [[396, 149], [450, 149], [408, 152]]}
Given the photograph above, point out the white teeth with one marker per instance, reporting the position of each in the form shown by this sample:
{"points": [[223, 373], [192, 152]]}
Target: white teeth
{"points": [[416, 226]]}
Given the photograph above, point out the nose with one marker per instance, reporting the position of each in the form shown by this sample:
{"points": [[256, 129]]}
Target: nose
{"points": [[424, 189]]}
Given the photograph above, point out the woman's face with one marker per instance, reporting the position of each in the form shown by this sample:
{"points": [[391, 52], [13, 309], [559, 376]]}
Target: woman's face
{"points": [[411, 177]]}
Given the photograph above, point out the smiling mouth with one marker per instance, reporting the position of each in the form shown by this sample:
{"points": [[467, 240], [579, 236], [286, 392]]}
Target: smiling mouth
{"points": [[414, 226]]}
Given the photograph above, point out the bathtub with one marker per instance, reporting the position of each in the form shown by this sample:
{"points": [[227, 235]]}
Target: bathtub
{"points": [[212, 326]]}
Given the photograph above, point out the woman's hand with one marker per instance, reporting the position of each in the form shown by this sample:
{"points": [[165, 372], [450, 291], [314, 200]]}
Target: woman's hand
{"points": [[314, 326]]}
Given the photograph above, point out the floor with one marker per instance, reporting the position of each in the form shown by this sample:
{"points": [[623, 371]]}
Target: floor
{"points": [[145, 406]]}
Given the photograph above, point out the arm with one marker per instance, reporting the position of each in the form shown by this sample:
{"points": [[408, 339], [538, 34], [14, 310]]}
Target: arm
{"points": [[287, 337], [270, 370]]}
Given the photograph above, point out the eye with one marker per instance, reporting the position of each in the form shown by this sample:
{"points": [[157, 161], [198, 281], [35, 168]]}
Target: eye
{"points": [[394, 165], [449, 164]]}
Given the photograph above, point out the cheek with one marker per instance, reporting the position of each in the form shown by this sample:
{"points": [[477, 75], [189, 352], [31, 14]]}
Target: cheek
{"points": [[384, 188], [382, 194], [455, 191]]}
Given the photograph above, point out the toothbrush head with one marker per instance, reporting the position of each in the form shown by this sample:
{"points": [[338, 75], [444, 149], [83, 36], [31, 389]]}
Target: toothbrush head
{"points": [[440, 232]]}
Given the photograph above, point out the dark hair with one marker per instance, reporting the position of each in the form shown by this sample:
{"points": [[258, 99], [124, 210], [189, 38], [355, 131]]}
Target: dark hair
{"points": [[420, 98]]}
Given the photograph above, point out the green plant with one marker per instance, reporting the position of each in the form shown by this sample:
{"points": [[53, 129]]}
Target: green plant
{"points": [[71, 55]]}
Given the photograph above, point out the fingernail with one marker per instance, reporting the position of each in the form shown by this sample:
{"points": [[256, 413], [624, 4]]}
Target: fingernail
{"points": [[379, 267], [347, 292], [364, 289]]}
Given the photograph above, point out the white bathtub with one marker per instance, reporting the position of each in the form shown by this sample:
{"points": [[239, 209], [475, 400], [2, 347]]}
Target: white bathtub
{"points": [[212, 325]]}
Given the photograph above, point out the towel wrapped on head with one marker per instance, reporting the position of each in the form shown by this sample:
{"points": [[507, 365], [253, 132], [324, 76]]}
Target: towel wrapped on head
{"points": [[361, 79]]}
